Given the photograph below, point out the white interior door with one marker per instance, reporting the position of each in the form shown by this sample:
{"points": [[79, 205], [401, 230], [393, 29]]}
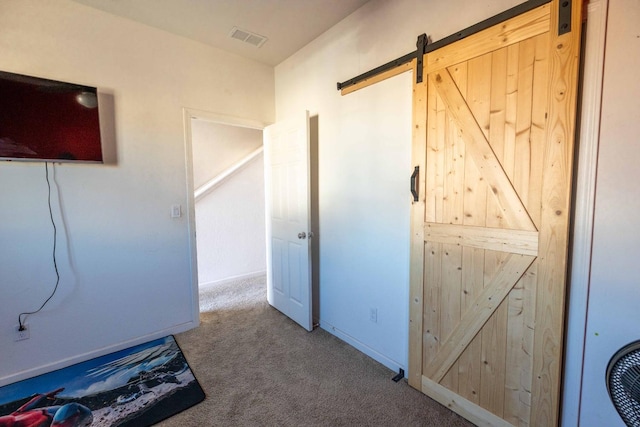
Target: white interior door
{"points": [[286, 151]]}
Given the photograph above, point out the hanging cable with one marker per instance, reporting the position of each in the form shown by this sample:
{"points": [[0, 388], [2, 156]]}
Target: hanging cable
{"points": [[21, 326]]}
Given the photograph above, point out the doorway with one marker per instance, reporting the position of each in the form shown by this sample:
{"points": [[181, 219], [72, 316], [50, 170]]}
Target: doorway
{"points": [[226, 173]]}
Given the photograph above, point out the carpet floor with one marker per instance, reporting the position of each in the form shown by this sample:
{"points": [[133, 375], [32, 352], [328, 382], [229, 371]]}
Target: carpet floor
{"points": [[258, 368]]}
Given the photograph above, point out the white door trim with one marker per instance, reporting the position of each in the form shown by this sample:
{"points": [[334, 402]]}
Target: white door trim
{"points": [[585, 190]]}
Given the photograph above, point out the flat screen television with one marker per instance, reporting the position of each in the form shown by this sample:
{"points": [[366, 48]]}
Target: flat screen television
{"points": [[48, 120]]}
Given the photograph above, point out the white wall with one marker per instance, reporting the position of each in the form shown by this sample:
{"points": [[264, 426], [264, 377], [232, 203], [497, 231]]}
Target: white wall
{"points": [[125, 264], [218, 146], [364, 162], [230, 222], [613, 317], [230, 218]]}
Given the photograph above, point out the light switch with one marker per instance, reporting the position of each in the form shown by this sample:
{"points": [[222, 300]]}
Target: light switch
{"points": [[176, 211]]}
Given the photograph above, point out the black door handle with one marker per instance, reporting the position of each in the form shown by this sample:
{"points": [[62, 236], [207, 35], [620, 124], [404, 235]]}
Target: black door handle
{"points": [[414, 183]]}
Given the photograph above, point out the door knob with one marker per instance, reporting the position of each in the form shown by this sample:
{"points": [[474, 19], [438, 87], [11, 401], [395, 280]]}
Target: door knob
{"points": [[302, 235]]}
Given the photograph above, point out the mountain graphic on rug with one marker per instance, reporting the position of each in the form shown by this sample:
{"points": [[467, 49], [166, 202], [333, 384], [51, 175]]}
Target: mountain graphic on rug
{"points": [[139, 386]]}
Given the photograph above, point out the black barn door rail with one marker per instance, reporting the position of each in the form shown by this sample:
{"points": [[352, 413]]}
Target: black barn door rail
{"points": [[423, 47]]}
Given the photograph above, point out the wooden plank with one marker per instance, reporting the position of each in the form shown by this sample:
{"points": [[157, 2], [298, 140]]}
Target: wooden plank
{"points": [[452, 204], [454, 158], [437, 152], [492, 387], [511, 112], [432, 297], [473, 319], [538, 124], [498, 102], [513, 410], [416, 267], [552, 268], [480, 150], [502, 139], [379, 77], [454, 163], [475, 191], [520, 328], [512, 403], [459, 73], [523, 148], [477, 91], [530, 283], [435, 147], [492, 335], [433, 211], [469, 410], [470, 361], [497, 126], [495, 239], [517, 361], [431, 172], [478, 96], [522, 27], [450, 310], [532, 93], [474, 196]]}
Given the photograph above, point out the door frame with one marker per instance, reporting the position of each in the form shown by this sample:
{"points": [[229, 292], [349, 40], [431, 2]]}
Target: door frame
{"points": [[584, 205], [224, 119], [187, 115]]}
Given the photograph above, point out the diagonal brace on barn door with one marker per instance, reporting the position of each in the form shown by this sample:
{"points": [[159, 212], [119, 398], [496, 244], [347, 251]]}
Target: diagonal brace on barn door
{"points": [[481, 152], [477, 315]]}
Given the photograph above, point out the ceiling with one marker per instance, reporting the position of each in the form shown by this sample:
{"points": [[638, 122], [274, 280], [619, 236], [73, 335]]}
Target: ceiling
{"points": [[288, 25]]}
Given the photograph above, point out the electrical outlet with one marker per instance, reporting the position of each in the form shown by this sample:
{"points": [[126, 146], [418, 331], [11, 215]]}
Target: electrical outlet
{"points": [[373, 314], [20, 335]]}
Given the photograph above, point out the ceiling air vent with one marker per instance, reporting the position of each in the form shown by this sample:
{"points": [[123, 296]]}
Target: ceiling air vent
{"points": [[247, 37]]}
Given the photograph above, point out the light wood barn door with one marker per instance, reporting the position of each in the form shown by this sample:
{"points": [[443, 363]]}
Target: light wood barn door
{"points": [[493, 136]]}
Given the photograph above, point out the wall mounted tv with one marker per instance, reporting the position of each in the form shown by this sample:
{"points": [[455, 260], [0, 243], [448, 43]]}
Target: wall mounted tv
{"points": [[47, 120]]}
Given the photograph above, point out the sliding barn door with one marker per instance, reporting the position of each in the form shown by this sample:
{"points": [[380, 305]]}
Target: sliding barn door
{"points": [[494, 123]]}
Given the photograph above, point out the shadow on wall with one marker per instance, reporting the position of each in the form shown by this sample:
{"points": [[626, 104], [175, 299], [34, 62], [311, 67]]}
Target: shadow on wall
{"points": [[107, 113], [314, 137]]}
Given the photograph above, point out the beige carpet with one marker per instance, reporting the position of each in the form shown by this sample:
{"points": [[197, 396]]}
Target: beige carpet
{"points": [[258, 368]]}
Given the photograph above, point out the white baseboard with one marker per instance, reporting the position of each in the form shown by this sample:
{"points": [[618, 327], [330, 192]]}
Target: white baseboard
{"points": [[232, 279], [375, 355], [96, 353]]}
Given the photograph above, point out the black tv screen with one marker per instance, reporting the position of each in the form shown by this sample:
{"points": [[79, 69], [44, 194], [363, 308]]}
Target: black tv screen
{"points": [[47, 120]]}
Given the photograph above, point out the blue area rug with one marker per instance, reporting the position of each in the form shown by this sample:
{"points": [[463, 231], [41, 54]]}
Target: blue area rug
{"points": [[139, 386]]}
